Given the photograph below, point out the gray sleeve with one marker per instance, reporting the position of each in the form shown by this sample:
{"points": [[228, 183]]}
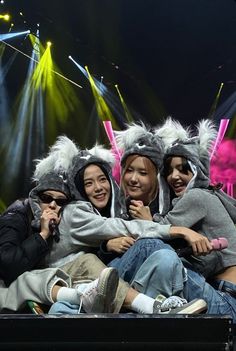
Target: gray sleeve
{"points": [[84, 225], [187, 211]]}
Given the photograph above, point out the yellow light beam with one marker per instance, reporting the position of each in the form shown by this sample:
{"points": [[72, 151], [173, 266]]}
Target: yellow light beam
{"points": [[59, 74], [60, 98], [42, 76], [214, 105], [127, 113], [102, 108]]}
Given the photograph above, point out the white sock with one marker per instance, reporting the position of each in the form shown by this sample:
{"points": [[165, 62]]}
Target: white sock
{"points": [[69, 295], [73, 295], [142, 304]]}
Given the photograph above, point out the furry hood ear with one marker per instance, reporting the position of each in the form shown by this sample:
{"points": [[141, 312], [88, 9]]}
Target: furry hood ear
{"points": [[196, 150], [101, 152], [58, 159], [138, 139], [207, 134], [170, 131], [133, 132], [97, 155]]}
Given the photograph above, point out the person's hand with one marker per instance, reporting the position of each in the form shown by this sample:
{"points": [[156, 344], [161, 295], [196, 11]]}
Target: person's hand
{"points": [[199, 243], [121, 244], [45, 218], [137, 210]]}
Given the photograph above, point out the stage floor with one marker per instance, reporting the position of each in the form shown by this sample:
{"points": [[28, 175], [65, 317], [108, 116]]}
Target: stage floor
{"points": [[116, 332]]}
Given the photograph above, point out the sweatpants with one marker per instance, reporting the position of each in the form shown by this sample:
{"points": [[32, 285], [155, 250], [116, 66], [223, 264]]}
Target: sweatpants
{"points": [[88, 267], [34, 285]]}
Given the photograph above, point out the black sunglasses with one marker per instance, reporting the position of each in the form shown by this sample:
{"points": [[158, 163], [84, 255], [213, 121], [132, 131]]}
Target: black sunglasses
{"points": [[47, 199]]}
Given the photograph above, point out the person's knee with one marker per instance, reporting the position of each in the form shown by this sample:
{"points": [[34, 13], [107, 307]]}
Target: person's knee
{"points": [[90, 265], [91, 259], [166, 257], [142, 243], [150, 244]]}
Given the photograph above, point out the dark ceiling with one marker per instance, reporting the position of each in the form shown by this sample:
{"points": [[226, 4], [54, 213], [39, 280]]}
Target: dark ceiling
{"points": [[169, 57]]}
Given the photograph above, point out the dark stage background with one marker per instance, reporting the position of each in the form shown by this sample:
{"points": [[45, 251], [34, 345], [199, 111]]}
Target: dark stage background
{"points": [[168, 57]]}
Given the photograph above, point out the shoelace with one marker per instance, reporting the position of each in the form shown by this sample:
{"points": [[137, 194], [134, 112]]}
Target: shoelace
{"points": [[87, 292], [173, 302], [80, 305]]}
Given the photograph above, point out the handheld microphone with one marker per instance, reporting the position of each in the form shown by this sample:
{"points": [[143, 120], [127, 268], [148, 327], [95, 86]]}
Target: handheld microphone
{"points": [[128, 202], [53, 228], [217, 244]]}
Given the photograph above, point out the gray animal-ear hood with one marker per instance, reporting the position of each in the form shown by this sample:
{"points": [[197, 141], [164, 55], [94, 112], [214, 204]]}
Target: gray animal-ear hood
{"points": [[97, 155], [138, 139], [51, 173], [102, 157], [49, 181], [196, 149]]}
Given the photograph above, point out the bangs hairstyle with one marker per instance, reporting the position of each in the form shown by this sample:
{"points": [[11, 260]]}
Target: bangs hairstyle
{"points": [[79, 178], [167, 168], [149, 167]]}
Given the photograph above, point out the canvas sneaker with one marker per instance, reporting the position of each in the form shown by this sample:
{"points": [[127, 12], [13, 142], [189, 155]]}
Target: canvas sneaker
{"points": [[99, 295], [178, 305]]}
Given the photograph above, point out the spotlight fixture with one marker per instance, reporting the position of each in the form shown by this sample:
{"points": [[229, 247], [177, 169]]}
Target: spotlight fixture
{"points": [[5, 17]]}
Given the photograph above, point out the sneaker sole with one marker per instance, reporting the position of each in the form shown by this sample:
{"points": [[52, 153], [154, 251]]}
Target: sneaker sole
{"points": [[193, 307], [106, 291]]}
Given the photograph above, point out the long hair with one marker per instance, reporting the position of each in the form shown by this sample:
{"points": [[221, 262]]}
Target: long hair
{"points": [[151, 171]]}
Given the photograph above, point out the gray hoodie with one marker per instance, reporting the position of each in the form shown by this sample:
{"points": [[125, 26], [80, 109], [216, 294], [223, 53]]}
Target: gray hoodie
{"points": [[82, 228], [203, 208]]}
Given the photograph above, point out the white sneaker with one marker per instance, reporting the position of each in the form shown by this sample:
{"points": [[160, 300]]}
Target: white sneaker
{"points": [[98, 296], [178, 305]]}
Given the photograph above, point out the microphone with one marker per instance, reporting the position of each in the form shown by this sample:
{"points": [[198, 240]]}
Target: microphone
{"points": [[128, 202], [217, 244], [53, 228]]}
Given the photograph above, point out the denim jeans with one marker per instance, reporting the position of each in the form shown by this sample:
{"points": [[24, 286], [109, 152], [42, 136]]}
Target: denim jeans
{"points": [[161, 273], [129, 263], [219, 302], [64, 307]]}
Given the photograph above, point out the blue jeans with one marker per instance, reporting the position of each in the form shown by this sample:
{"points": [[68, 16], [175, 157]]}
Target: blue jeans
{"points": [[161, 273], [219, 302], [129, 263], [64, 307]]}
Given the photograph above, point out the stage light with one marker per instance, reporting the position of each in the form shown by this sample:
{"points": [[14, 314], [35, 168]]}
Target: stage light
{"points": [[126, 110], [49, 43], [12, 35], [102, 107], [104, 98], [5, 17]]}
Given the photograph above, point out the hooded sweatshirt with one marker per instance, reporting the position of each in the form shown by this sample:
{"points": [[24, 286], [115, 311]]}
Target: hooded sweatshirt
{"points": [[207, 210], [83, 228], [22, 248]]}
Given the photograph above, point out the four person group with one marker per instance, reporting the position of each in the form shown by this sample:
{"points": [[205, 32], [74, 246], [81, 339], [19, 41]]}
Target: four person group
{"points": [[83, 243]]}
